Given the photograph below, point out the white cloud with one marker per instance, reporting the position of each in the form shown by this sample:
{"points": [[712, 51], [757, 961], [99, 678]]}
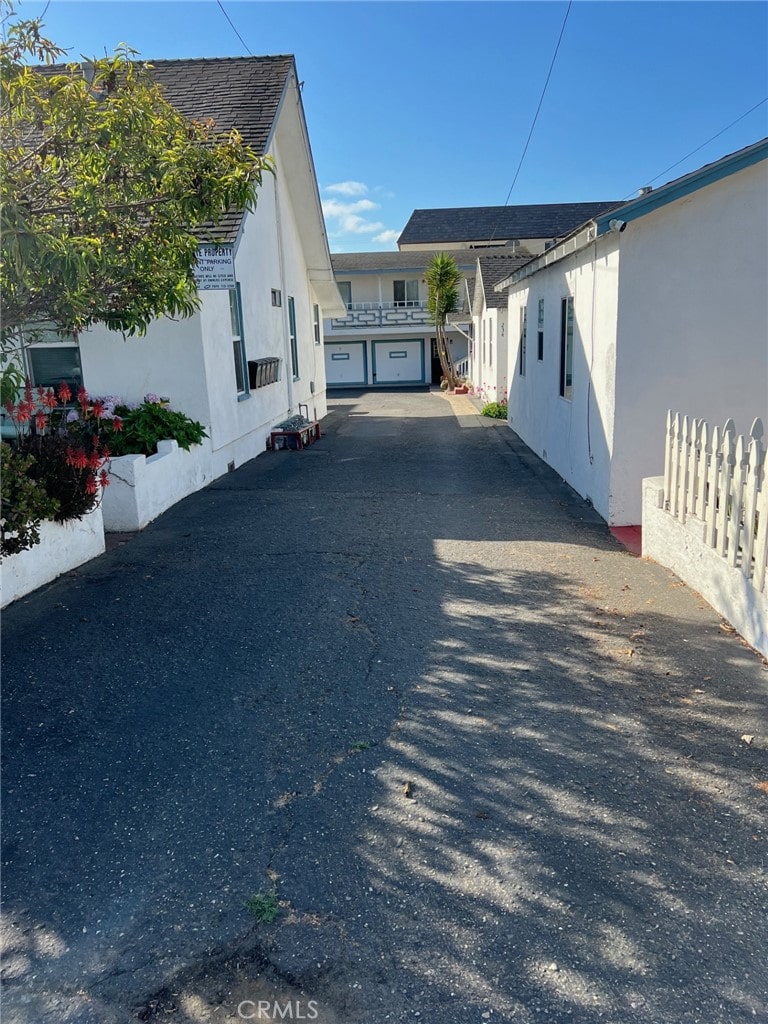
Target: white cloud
{"points": [[347, 214], [347, 188], [358, 225], [333, 208], [387, 236]]}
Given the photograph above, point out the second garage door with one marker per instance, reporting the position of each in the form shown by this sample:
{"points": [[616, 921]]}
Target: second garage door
{"points": [[398, 362]]}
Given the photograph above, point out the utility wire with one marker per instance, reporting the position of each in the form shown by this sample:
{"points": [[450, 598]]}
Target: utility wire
{"points": [[717, 136], [45, 11], [233, 27], [541, 100]]}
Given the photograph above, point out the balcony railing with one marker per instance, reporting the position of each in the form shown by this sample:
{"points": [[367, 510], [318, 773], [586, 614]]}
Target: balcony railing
{"points": [[364, 315]]}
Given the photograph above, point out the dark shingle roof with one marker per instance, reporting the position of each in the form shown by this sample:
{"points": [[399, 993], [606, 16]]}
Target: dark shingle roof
{"points": [[416, 260], [237, 92], [494, 269], [482, 223]]}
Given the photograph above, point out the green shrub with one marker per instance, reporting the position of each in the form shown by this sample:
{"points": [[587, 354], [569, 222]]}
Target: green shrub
{"points": [[25, 503], [149, 423], [496, 410]]}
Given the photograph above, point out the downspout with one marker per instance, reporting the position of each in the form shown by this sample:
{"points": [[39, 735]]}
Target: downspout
{"points": [[287, 359]]}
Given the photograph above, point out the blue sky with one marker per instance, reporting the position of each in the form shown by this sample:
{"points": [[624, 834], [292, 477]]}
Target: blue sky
{"points": [[429, 104]]}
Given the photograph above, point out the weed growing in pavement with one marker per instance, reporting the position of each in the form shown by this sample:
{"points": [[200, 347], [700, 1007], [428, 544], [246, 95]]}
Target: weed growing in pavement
{"points": [[263, 906], [360, 745]]}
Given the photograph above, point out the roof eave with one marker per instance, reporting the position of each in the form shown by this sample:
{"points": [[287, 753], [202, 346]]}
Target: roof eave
{"points": [[681, 187]]}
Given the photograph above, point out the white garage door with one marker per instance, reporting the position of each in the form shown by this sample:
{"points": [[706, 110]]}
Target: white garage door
{"points": [[345, 364], [398, 362]]}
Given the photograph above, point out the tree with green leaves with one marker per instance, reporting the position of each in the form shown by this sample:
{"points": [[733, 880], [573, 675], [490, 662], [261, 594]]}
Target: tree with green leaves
{"points": [[443, 278], [105, 189]]}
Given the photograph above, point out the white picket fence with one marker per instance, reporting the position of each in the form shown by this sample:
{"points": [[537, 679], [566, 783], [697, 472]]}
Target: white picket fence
{"points": [[721, 480]]}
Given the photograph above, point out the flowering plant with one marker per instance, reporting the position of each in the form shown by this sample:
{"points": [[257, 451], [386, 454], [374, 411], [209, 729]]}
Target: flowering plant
{"points": [[62, 460]]}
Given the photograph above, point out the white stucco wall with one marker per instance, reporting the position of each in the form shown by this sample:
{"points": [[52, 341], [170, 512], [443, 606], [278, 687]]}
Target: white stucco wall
{"points": [[142, 488], [692, 323], [681, 547], [574, 437], [489, 371], [309, 388], [167, 361], [62, 547]]}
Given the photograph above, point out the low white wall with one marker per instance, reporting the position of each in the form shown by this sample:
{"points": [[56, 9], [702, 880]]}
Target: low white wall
{"points": [[143, 488], [62, 547], [680, 547]]}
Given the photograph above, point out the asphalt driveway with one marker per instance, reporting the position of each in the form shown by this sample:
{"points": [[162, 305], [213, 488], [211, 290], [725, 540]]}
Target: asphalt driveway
{"points": [[406, 691]]}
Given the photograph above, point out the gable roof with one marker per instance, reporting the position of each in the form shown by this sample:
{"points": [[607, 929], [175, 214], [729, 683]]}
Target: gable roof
{"points": [[483, 223], [414, 261], [494, 268], [236, 92]]}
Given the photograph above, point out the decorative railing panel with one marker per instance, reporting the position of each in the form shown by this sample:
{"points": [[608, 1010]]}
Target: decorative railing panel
{"points": [[386, 315]]}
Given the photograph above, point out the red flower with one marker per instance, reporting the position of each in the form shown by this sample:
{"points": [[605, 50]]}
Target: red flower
{"points": [[82, 395], [24, 412], [64, 393], [41, 422], [98, 409], [90, 484], [40, 394], [70, 456], [49, 399], [28, 390], [79, 459], [104, 478], [10, 408], [105, 454], [117, 424], [94, 461]]}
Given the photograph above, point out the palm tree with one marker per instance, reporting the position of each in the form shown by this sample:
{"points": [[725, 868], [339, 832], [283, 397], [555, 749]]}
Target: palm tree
{"points": [[443, 278]]}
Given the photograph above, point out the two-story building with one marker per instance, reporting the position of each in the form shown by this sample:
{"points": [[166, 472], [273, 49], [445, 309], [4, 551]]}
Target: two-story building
{"points": [[387, 337]]}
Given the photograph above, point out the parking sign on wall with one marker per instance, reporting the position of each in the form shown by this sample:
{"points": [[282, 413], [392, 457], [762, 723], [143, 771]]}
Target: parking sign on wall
{"points": [[215, 267]]}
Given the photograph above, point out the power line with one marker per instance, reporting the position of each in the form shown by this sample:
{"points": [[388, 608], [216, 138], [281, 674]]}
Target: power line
{"points": [[687, 155], [541, 100], [233, 27]]}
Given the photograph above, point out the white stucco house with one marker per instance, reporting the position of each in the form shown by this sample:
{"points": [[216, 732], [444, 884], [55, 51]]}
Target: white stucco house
{"points": [[659, 304], [253, 353], [386, 336], [488, 370]]}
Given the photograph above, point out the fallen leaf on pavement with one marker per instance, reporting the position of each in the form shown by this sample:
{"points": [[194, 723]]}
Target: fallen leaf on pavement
{"points": [[747, 738]]}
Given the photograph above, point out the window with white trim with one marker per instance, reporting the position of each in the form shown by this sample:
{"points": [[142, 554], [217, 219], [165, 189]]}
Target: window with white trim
{"points": [[406, 293], [238, 341], [566, 348], [523, 339], [293, 337], [345, 290], [540, 332]]}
